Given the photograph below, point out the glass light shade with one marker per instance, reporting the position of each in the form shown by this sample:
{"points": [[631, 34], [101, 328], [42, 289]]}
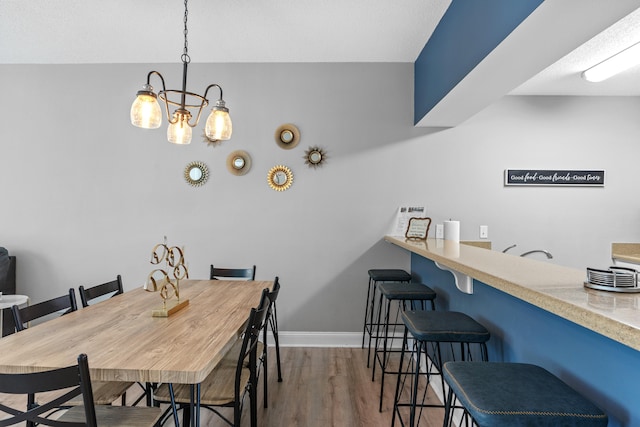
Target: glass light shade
{"points": [[218, 127], [179, 132], [145, 112]]}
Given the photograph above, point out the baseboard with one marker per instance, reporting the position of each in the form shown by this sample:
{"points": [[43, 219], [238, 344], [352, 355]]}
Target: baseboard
{"points": [[324, 339], [317, 339]]}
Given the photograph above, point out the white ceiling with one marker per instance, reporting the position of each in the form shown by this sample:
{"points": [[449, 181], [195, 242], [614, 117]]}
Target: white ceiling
{"points": [[150, 31]]}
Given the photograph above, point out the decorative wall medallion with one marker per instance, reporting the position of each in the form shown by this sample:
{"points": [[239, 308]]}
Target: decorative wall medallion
{"points": [[239, 162], [280, 178], [314, 157], [196, 173], [287, 136]]}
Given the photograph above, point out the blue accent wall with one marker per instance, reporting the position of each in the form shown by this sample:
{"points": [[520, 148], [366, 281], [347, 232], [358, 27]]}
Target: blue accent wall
{"points": [[603, 370], [467, 33]]}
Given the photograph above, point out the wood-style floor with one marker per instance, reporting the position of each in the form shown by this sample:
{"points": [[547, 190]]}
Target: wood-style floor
{"points": [[326, 387], [322, 387]]}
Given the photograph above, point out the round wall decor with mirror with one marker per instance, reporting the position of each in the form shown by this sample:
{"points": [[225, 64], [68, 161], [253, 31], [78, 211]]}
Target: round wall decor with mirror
{"points": [[287, 136], [314, 157], [280, 178], [239, 162], [196, 173]]}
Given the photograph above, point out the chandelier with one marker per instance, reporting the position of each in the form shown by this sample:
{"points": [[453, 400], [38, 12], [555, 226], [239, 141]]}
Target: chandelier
{"points": [[146, 112]]}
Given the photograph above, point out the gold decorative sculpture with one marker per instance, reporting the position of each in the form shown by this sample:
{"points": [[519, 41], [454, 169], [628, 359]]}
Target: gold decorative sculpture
{"points": [[159, 279]]}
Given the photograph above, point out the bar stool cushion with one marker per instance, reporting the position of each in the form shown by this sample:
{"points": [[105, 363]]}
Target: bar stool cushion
{"points": [[406, 291], [444, 326], [389, 275], [518, 394]]}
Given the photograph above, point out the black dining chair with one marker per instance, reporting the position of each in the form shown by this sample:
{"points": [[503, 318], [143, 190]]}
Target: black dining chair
{"points": [[63, 304], [233, 273], [111, 288], [68, 383], [105, 392], [270, 323], [229, 382]]}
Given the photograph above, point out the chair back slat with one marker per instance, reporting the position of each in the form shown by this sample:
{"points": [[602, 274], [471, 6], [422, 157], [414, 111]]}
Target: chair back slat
{"points": [[113, 287], [65, 304], [255, 323], [233, 273], [70, 379]]}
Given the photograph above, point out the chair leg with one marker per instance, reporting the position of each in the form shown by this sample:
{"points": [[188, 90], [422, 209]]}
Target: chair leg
{"points": [[276, 339], [31, 402], [383, 364], [253, 393], [447, 407], [396, 398], [366, 312], [265, 363], [375, 347], [414, 391], [186, 417], [371, 310]]}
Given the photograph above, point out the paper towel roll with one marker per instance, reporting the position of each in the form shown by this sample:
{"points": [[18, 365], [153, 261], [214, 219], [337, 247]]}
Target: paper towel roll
{"points": [[452, 231]]}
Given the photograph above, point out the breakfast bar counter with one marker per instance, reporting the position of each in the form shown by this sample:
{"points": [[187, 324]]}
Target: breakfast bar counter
{"points": [[541, 313], [552, 287]]}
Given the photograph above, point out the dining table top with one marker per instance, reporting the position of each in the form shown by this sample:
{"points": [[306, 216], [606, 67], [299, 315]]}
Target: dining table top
{"points": [[123, 342]]}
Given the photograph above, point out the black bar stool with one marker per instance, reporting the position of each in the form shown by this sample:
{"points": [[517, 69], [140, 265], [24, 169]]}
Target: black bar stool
{"points": [[435, 328], [402, 293], [376, 276], [517, 394]]}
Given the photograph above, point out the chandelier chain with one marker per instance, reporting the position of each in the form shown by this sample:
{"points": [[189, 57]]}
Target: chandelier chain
{"points": [[185, 54]]}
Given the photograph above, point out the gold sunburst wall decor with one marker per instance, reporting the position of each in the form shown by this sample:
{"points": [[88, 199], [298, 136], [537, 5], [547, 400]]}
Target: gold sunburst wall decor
{"points": [[196, 174], [314, 157], [211, 142], [280, 178]]}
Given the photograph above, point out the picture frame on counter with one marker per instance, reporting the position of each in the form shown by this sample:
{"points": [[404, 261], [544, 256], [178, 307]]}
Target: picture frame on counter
{"points": [[418, 228], [554, 177]]}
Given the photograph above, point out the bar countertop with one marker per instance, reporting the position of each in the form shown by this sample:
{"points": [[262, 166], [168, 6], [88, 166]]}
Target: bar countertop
{"points": [[557, 289]]}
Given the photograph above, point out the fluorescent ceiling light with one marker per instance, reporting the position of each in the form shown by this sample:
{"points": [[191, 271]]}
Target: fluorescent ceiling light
{"points": [[614, 65]]}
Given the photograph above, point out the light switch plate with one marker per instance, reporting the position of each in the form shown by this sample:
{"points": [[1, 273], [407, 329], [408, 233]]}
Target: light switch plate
{"points": [[484, 231], [439, 231]]}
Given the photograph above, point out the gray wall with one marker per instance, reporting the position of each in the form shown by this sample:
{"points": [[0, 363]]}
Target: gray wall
{"points": [[86, 195]]}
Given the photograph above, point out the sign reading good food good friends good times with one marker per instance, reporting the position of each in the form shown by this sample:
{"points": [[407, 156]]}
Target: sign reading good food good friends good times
{"points": [[584, 178]]}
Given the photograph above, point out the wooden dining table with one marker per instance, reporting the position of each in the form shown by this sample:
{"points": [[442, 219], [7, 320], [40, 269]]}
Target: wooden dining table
{"points": [[123, 342]]}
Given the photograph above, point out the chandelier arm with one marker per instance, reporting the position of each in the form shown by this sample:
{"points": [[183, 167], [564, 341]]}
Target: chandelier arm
{"points": [[210, 86], [164, 90]]}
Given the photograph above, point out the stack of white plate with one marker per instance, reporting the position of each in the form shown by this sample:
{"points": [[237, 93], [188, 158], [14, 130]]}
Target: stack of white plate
{"points": [[614, 277]]}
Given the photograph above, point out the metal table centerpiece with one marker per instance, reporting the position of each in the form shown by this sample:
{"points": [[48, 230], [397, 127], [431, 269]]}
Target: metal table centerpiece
{"points": [[167, 280]]}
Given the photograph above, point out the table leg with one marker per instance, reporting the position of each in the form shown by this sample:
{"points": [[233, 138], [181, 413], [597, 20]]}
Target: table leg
{"points": [[194, 404], [173, 405]]}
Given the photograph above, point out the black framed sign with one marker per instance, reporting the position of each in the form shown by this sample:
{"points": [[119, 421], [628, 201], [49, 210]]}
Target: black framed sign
{"points": [[554, 177]]}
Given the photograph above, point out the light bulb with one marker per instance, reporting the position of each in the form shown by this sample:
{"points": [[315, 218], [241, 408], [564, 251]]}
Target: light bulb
{"points": [[145, 110], [180, 131], [219, 127]]}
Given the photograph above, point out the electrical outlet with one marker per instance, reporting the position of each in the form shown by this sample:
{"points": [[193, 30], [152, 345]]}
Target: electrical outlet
{"points": [[484, 231], [439, 231]]}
